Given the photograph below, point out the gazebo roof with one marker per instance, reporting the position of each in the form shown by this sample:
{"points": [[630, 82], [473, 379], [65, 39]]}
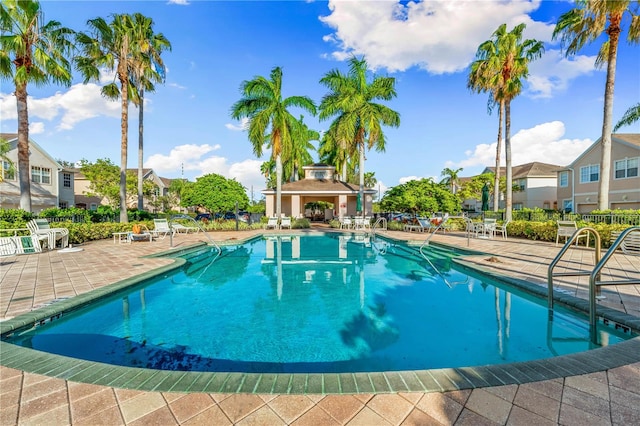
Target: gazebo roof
{"points": [[319, 186]]}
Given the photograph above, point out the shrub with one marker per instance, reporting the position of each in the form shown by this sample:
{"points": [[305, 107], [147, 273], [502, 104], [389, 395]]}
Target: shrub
{"points": [[301, 224]]}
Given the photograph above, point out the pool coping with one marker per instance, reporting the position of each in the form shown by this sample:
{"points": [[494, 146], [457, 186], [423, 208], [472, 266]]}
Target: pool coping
{"points": [[433, 380]]}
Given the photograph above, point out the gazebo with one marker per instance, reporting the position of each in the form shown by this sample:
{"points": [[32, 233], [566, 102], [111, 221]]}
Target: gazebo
{"points": [[320, 183]]}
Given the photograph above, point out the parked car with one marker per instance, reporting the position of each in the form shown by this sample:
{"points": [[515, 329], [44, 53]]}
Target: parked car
{"points": [[203, 216]]}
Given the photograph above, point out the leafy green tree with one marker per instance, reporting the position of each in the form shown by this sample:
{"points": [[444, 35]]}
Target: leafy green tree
{"points": [[585, 24], [510, 56], [147, 69], [421, 197], [215, 193], [270, 122], [337, 151], [472, 189], [104, 181], [358, 117], [630, 116], [32, 51]]}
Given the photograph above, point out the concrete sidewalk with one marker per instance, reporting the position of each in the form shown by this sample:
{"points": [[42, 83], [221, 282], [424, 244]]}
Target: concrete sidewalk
{"points": [[602, 397]]}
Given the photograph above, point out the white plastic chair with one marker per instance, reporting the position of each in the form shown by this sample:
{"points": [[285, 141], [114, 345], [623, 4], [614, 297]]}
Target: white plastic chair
{"points": [[285, 222], [272, 223]]}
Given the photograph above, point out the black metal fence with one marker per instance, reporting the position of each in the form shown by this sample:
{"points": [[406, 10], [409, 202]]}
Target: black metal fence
{"points": [[543, 216]]}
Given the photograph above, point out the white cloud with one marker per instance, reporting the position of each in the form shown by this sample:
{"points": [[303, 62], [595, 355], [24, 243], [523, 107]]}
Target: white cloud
{"points": [[199, 160], [543, 143], [244, 125], [179, 2], [553, 71], [36, 128], [438, 36], [177, 86]]}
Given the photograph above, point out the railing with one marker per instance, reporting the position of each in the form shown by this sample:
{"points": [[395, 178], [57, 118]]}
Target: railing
{"points": [[594, 278], [550, 274], [440, 226]]}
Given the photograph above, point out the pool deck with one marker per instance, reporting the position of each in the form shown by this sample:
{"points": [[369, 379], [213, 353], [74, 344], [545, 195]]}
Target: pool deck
{"points": [[601, 396]]}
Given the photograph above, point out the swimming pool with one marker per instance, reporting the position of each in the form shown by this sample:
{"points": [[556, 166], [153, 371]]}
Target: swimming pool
{"points": [[306, 304]]}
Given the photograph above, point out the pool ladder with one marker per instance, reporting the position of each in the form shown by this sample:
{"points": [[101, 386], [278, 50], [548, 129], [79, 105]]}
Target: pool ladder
{"points": [[595, 281], [187, 217]]}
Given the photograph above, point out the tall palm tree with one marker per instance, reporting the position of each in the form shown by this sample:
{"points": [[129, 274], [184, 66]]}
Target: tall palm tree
{"points": [[482, 79], [297, 154], [351, 99], [111, 46], [508, 58], [147, 69], [337, 151], [31, 52], [585, 24], [630, 116], [451, 177], [269, 115]]}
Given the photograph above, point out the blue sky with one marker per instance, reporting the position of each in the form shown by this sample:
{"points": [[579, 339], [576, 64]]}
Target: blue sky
{"points": [[427, 46]]}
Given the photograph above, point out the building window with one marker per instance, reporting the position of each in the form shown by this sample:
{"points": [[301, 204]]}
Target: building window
{"points": [[40, 174], [590, 173], [93, 207], [626, 168], [521, 184], [564, 179], [517, 206], [567, 206], [7, 171], [66, 180], [63, 205]]}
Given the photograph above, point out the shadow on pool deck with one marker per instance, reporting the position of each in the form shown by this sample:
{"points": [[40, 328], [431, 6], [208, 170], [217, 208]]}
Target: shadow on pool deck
{"points": [[601, 388]]}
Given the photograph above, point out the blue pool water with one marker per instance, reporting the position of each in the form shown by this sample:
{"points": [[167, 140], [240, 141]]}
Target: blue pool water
{"points": [[327, 303]]}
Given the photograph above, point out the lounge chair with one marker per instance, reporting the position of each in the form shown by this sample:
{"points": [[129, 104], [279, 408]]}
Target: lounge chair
{"points": [[285, 222], [421, 225], [41, 228], [161, 228], [25, 244], [144, 234], [180, 228], [272, 223]]}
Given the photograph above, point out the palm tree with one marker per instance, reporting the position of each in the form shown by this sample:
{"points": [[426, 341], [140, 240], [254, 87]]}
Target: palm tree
{"points": [[335, 151], [147, 69], [507, 64], [585, 24], [31, 51], [482, 78], [630, 116], [451, 178], [297, 155], [263, 105], [351, 99], [112, 46]]}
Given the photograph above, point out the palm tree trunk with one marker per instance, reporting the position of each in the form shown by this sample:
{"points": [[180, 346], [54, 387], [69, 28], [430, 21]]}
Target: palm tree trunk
{"points": [[507, 150], [278, 185], [23, 148], [496, 182], [124, 126], [140, 148], [361, 188], [607, 123]]}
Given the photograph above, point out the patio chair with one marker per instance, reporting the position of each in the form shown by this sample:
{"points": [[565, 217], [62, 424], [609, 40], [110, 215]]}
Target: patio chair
{"points": [[346, 222], [161, 228], [272, 223], [285, 222], [42, 228], [10, 246], [566, 229], [502, 229]]}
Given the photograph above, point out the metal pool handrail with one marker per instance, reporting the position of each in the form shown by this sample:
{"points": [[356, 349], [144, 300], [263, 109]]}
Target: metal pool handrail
{"points": [[595, 282], [187, 217], [563, 250]]}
